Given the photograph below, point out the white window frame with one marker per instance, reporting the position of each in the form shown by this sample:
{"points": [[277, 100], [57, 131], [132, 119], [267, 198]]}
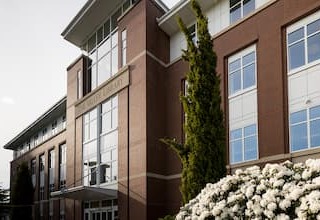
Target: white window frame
{"points": [[124, 47], [241, 9], [308, 122], [294, 27], [240, 55], [243, 144]]}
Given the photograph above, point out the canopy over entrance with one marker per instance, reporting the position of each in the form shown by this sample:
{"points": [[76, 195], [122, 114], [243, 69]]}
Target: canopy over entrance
{"points": [[86, 193]]}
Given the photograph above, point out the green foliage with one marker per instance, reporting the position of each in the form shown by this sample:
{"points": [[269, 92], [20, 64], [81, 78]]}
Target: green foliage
{"points": [[167, 217], [203, 153], [22, 194]]}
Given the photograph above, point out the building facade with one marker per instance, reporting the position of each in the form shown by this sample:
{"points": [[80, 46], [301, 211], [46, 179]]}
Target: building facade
{"points": [[96, 154]]}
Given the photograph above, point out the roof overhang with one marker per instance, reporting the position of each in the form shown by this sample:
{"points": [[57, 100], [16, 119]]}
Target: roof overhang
{"points": [[55, 111], [88, 19], [168, 22], [86, 193]]}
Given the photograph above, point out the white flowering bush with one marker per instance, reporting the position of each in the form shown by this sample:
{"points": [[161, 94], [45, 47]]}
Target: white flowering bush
{"points": [[278, 191]]}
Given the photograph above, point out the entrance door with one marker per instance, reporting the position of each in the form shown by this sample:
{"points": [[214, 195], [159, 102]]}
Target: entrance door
{"points": [[98, 215]]}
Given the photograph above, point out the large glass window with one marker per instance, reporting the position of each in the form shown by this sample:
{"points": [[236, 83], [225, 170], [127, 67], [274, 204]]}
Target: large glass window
{"points": [[109, 141], [51, 170], [62, 209], [305, 129], [90, 147], [42, 174], [100, 141], [303, 44], [240, 8], [62, 165], [102, 48], [33, 171], [242, 71], [243, 144]]}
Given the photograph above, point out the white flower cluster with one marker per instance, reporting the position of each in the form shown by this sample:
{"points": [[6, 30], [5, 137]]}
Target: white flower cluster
{"points": [[278, 191]]}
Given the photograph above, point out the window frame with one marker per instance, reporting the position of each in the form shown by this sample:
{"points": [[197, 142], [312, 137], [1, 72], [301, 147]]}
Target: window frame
{"points": [[241, 10], [303, 23], [235, 57], [94, 171], [243, 138], [307, 122]]}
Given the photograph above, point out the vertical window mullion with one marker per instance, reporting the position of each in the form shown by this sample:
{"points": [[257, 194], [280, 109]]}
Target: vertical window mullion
{"points": [[241, 5], [305, 37], [242, 140], [241, 72], [308, 128], [98, 143]]}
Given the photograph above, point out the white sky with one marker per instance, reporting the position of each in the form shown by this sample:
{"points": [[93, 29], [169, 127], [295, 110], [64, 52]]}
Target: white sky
{"points": [[33, 61]]}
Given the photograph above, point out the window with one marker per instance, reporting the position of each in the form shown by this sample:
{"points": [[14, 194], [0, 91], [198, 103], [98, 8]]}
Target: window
{"points": [[305, 129], [62, 165], [51, 210], [42, 174], [243, 144], [102, 48], [33, 172], [240, 8], [62, 209], [54, 129], [193, 33], [51, 170], [124, 47], [242, 71], [64, 122], [105, 209], [303, 42], [79, 84], [101, 162], [109, 141], [44, 134], [36, 140]]}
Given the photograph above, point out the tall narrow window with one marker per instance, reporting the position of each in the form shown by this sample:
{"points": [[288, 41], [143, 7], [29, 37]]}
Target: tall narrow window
{"points": [[44, 134], [33, 171], [124, 47], [36, 140], [240, 8], [79, 84], [42, 174], [109, 141], [64, 122], [90, 134], [193, 33], [62, 209], [51, 209], [54, 129], [62, 165], [51, 170]]}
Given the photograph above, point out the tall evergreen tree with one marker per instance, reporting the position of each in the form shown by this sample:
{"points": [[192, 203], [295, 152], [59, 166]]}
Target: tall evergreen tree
{"points": [[22, 194], [203, 153]]}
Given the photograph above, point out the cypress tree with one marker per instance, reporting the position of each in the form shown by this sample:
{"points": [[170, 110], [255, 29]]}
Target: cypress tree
{"points": [[203, 153], [22, 194]]}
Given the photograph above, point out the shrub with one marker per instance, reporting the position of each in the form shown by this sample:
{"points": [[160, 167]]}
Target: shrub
{"points": [[278, 191]]}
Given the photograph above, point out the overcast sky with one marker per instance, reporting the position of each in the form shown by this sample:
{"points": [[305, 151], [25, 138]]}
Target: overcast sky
{"points": [[33, 63]]}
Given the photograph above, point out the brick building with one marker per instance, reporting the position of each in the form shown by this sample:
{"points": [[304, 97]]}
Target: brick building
{"points": [[96, 153]]}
